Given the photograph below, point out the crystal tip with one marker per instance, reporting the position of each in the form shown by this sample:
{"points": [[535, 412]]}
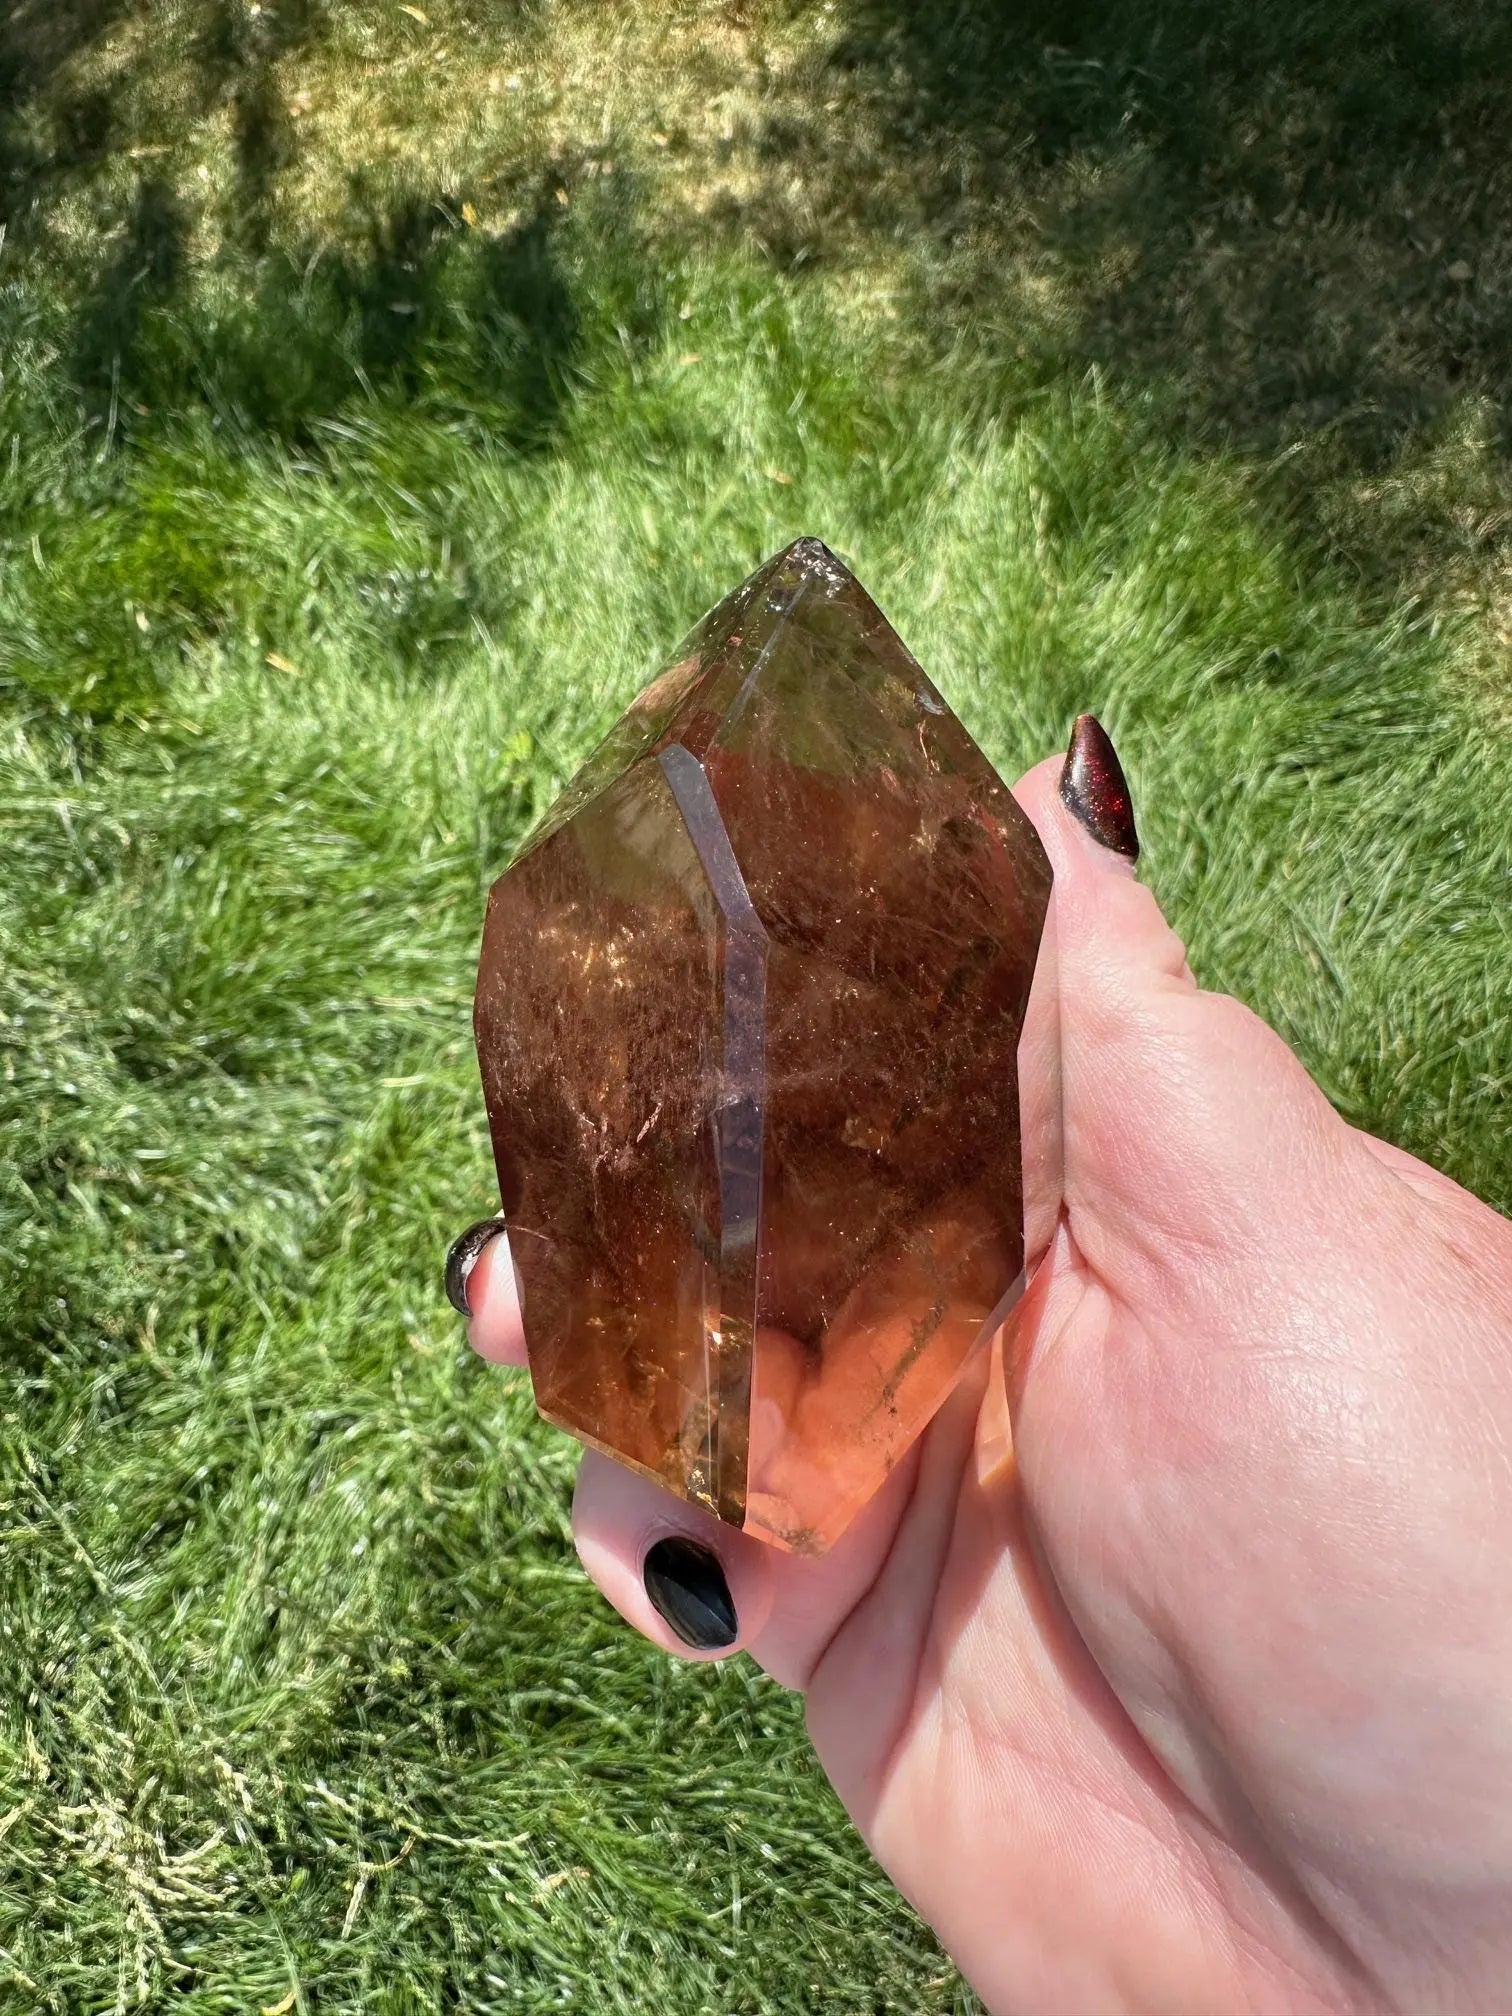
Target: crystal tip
{"points": [[811, 557]]}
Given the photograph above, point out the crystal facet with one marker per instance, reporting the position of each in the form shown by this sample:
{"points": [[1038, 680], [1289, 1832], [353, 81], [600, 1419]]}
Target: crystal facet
{"points": [[748, 1017]]}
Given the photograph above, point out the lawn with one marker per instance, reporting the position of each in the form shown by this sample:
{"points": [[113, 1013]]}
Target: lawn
{"points": [[383, 391]]}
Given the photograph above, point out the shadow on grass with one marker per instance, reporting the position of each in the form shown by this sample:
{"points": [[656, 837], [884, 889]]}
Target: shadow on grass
{"points": [[144, 271], [1272, 197], [424, 310], [40, 38], [59, 120], [326, 352], [1287, 227], [410, 302], [1291, 221]]}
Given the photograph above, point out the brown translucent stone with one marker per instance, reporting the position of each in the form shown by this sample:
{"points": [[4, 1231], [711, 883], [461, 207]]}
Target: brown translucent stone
{"points": [[748, 1017]]}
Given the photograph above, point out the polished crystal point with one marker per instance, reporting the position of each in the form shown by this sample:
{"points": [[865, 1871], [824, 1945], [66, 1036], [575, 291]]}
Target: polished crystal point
{"points": [[748, 1016]]}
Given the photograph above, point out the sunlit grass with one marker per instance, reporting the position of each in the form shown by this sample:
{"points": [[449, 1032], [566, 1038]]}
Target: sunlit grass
{"points": [[337, 517]]}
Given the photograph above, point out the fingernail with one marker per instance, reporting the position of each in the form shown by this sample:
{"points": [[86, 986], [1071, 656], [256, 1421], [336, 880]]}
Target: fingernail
{"points": [[688, 1588], [1094, 787], [463, 1257]]}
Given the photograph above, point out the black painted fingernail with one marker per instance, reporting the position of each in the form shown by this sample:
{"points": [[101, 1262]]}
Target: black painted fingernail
{"points": [[463, 1257], [1093, 785], [687, 1585]]}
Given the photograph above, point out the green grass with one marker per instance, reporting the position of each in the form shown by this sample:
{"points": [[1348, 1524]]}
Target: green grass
{"points": [[370, 425]]}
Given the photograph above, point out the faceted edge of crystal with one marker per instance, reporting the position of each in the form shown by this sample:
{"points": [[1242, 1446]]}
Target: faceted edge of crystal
{"points": [[705, 650], [739, 1134]]}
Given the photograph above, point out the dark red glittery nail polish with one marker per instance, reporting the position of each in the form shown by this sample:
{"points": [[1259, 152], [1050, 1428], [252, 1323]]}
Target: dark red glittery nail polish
{"points": [[1094, 787]]}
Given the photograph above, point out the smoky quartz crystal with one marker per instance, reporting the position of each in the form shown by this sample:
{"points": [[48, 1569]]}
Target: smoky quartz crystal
{"points": [[748, 1017]]}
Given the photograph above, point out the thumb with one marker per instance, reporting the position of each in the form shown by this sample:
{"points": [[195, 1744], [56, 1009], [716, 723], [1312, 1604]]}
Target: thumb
{"points": [[1111, 934], [1180, 1107], [1105, 941]]}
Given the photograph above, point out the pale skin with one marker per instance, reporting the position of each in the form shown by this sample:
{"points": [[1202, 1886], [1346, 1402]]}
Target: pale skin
{"points": [[1188, 1693]]}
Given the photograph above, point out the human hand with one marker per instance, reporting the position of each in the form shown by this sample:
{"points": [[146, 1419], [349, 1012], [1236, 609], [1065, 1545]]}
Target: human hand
{"points": [[1192, 1689]]}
